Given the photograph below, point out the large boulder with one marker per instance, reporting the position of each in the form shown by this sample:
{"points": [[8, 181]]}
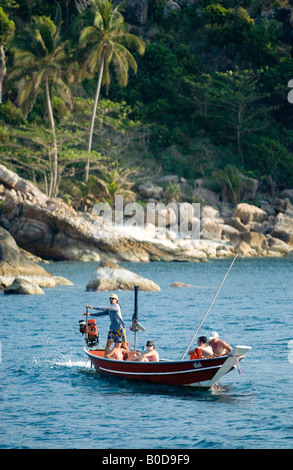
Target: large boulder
{"points": [[136, 11], [13, 263], [249, 213], [46, 227], [211, 229], [283, 228], [279, 246], [255, 240], [170, 7], [23, 286], [150, 190], [243, 249], [287, 193], [203, 194], [110, 276], [236, 223]]}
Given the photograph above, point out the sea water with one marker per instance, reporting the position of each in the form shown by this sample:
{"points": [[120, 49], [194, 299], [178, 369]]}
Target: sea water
{"points": [[51, 398]]}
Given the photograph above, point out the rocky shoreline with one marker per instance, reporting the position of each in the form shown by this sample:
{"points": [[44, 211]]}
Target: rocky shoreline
{"points": [[52, 230]]}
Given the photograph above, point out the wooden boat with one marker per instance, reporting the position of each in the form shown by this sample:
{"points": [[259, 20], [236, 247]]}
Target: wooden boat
{"points": [[196, 373]]}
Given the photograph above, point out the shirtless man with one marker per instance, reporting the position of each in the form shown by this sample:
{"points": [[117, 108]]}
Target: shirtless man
{"points": [[219, 347]]}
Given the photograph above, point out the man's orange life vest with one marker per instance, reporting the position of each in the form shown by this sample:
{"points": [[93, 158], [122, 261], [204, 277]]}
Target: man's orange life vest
{"points": [[196, 355]]}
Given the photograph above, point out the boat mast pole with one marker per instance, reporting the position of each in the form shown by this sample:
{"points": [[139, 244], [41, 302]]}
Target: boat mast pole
{"points": [[135, 313], [87, 322], [206, 314]]}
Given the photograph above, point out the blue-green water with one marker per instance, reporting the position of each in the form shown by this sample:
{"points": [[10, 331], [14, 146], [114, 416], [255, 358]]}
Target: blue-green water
{"points": [[51, 398]]}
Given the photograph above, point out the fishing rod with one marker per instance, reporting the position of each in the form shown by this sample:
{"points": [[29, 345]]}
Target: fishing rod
{"points": [[206, 314]]}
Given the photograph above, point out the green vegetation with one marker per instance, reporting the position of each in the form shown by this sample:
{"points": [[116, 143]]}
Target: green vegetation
{"points": [[106, 37], [201, 94]]}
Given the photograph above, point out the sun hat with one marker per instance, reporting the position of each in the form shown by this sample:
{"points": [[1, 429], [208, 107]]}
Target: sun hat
{"points": [[113, 296], [214, 335]]}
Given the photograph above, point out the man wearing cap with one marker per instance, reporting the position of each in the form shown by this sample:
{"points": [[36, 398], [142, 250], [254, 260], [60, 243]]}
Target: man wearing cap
{"points": [[219, 347], [117, 327]]}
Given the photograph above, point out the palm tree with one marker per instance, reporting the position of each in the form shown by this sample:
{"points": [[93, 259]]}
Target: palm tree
{"points": [[38, 66], [7, 29], [108, 38], [231, 180]]}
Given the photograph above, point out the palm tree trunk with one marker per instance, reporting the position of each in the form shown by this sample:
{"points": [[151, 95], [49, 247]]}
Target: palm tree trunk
{"points": [[2, 69], [94, 112], [54, 154]]}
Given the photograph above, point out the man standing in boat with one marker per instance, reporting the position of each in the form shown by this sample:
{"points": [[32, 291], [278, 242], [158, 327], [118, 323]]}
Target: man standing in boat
{"points": [[219, 347], [117, 327]]}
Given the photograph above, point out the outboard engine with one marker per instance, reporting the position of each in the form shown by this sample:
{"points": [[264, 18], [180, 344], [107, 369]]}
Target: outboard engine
{"points": [[90, 330]]}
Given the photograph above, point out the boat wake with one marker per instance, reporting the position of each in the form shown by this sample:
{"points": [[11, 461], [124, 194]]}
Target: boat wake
{"points": [[70, 363]]}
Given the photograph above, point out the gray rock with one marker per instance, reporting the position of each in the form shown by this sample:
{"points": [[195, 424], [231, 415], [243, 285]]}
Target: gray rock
{"points": [[180, 284], [110, 276], [14, 263], [136, 11], [170, 6], [150, 190], [283, 228], [287, 193], [23, 286], [248, 213]]}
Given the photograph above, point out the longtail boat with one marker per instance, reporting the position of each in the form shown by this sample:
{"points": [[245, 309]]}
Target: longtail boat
{"points": [[203, 373], [196, 373]]}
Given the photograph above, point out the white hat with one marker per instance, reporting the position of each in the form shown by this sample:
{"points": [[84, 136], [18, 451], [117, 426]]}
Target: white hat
{"points": [[214, 335], [113, 296]]}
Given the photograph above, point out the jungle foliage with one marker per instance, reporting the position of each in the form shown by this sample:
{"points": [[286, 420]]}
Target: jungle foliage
{"points": [[197, 93]]}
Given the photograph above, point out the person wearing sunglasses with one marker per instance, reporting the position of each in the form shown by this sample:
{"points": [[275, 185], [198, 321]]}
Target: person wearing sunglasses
{"points": [[117, 326], [148, 356]]}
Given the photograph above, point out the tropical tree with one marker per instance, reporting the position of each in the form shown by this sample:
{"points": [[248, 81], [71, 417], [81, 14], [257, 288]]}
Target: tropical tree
{"points": [[108, 40], [231, 179], [38, 67], [7, 29]]}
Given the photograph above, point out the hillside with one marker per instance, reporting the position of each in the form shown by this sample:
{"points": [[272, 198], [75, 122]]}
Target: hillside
{"points": [[209, 100]]}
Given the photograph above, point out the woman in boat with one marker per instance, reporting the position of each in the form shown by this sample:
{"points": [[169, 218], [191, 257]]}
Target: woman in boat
{"points": [[202, 350], [117, 352], [149, 356], [117, 327]]}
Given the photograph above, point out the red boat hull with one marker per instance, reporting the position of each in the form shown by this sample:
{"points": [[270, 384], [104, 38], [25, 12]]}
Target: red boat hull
{"points": [[198, 372]]}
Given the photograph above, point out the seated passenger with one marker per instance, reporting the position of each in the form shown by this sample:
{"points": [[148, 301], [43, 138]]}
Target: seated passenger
{"points": [[219, 347], [202, 350], [117, 351], [148, 356]]}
